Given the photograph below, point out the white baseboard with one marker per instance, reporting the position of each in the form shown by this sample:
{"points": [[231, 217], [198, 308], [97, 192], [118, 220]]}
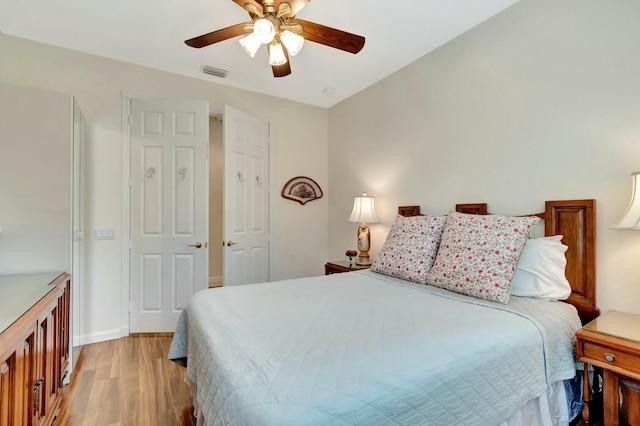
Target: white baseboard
{"points": [[215, 282], [97, 337]]}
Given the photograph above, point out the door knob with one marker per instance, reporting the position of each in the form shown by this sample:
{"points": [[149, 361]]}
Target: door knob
{"points": [[230, 243], [196, 245]]}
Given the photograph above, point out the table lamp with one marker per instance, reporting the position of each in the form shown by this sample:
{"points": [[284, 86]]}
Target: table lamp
{"points": [[631, 219], [363, 212]]}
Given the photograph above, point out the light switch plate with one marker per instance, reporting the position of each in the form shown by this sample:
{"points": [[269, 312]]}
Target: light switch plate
{"points": [[105, 234]]}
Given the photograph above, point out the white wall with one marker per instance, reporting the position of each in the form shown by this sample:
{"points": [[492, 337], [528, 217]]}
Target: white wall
{"points": [[541, 102], [216, 168], [35, 180], [298, 135]]}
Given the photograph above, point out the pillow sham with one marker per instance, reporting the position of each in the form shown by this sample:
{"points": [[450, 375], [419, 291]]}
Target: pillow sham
{"points": [[540, 272], [410, 248], [478, 254]]}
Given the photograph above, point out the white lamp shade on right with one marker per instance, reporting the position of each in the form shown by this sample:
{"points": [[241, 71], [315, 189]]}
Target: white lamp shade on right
{"points": [[631, 219]]}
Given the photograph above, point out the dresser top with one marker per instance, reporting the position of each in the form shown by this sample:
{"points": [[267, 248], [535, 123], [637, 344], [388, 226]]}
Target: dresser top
{"points": [[618, 324], [18, 293]]}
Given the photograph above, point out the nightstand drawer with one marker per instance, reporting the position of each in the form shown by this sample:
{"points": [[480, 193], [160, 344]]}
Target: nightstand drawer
{"points": [[594, 353]]}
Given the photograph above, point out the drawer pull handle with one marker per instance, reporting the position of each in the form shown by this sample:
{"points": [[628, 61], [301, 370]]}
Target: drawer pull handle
{"points": [[609, 357], [36, 395]]}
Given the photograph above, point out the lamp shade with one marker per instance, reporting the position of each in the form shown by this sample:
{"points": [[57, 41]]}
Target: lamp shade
{"points": [[276, 55], [293, 42], [263, 30], [631, 219], [363, 210], [250, 44]]}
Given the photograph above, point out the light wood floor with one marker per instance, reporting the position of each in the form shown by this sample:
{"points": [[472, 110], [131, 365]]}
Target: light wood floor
{"points": [[128, 381]]}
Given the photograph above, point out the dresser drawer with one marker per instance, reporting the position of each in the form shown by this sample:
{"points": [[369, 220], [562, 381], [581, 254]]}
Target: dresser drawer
{"points": [[597, 354]]}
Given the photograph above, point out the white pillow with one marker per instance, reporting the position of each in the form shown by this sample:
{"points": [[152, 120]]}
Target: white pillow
{"points": [[540, 272]]}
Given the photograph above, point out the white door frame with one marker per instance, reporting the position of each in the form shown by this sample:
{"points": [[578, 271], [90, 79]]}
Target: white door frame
{"points": [[126, 97]]}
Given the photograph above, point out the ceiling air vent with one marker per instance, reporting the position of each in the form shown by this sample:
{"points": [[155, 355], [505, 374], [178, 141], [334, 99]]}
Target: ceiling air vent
{"points": [[214, 71]]}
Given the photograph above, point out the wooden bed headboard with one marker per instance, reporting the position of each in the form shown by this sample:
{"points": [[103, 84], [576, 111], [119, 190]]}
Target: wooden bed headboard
{"points": [[575, 220]]}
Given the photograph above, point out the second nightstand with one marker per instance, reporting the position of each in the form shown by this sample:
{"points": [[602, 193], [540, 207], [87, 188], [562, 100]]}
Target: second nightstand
{"points": [[338, 266], [612, 342]]}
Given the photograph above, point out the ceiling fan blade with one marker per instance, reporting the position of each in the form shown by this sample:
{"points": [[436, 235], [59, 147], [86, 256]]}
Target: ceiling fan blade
{"points": [[328, 36], [216, 36], [296, 5], [281, 70]]}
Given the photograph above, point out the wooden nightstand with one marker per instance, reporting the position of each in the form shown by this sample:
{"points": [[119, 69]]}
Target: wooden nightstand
{"points": [[612, 342], [338, 266]]}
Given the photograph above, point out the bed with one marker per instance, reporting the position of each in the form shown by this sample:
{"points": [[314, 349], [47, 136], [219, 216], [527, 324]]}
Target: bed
{"points": [[372, 348]]}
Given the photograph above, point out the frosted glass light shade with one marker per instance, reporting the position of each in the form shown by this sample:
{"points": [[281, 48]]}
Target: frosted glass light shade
{"points": [[363, 210], [250, 44], [264, 31], [631, 219], [292, 41], [276, 55]]}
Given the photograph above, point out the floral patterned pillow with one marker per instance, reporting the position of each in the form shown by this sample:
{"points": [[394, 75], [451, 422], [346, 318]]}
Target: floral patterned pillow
{"points": [[410, 248], [478, 254]]}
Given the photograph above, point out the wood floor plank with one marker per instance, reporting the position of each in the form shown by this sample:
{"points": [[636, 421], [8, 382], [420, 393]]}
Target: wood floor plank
{"points": [[128, 381]]}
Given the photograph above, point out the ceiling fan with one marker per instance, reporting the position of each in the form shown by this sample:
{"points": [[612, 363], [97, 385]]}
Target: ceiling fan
{"points": [[275, 25]]}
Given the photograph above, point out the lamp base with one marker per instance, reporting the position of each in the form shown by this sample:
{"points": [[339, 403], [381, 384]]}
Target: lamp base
{"points": [[363, 260]]}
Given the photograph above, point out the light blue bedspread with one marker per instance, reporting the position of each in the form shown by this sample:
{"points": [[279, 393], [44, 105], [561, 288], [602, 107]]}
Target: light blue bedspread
{"points": [[366, 349]]}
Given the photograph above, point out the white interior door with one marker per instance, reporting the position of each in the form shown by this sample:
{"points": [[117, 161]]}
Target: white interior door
{"points": [[169, 210], [246, 198]]}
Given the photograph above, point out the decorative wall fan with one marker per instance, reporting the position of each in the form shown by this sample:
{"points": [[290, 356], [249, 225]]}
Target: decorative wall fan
{"points": [[274, 24]]}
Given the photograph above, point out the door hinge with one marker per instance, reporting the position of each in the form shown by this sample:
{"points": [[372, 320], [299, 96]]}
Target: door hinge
{"points": [[129, 306], [130, 119]]}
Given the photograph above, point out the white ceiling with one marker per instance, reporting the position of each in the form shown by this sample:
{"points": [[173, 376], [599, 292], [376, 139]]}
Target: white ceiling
{"points": [[152, 33]]}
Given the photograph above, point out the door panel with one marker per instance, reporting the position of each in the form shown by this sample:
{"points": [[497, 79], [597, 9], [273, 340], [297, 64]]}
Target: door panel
{"points": [[151, 276], [152, 189], [183, 265], [184, 203], [169, 210], [246, 198]]}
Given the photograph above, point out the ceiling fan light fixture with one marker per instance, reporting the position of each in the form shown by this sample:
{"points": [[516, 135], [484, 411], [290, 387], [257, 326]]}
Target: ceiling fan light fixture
{"points": [[276, 55], [263, 30], [250, 44], [274, 24], [292, 41]]}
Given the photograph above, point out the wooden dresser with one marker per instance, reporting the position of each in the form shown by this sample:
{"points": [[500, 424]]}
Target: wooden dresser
{"points": [[34, 346]]}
